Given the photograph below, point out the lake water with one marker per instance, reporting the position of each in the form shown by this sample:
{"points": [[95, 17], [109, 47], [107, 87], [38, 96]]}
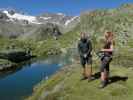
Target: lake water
{"points": [[19, 83]]}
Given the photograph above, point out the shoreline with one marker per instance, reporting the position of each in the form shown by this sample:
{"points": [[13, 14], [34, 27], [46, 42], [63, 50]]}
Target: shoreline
{"points": [[52, 84]]}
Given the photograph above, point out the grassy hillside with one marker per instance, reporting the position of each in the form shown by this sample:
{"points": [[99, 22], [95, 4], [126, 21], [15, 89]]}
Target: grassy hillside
{"points": [[118, 21], [66, 85]]}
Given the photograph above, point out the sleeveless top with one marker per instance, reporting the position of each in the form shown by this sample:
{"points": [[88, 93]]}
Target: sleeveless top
{"points": [[107, 46]]}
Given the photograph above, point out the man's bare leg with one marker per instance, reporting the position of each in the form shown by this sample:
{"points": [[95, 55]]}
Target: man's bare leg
{"points": [[84, 73], [89, 70]]}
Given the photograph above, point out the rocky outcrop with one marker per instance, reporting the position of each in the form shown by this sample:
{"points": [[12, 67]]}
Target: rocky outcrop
{"points": [[16, 56]]}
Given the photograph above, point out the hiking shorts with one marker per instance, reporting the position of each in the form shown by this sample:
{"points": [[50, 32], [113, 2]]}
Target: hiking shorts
{"points": [[105, 63], [87, 60]]}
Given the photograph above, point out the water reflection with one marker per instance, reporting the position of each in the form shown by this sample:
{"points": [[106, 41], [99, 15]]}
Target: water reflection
{"points": [[17, 83]]}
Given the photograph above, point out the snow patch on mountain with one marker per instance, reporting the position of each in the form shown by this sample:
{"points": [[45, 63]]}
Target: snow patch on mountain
{"points": [[45, 18], [18, 16], [69, 21]]}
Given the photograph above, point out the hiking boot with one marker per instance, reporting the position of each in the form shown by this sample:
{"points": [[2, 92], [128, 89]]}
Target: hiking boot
{"points": [[103, 84], [108, 81]]}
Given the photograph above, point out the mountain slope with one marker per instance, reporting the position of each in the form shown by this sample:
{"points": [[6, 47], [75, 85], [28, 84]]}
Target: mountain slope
{"points": [[119, 21]]}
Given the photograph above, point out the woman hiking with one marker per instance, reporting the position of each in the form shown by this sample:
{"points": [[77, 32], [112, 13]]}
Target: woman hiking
{"points": [[106, 59], [85, 49]]}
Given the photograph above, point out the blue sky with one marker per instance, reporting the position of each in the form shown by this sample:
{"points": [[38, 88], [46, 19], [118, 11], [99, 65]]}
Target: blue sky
{"points": [[70, 7]]}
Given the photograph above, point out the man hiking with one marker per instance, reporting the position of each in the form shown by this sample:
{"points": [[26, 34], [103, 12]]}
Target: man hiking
{"points": [[85, 49]]}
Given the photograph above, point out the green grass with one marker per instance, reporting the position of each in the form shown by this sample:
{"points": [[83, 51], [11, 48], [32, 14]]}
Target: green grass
{"points": [[74, 89]]}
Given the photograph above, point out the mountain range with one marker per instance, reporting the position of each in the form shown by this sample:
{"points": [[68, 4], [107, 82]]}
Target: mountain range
{"points": [[14, 24]]}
